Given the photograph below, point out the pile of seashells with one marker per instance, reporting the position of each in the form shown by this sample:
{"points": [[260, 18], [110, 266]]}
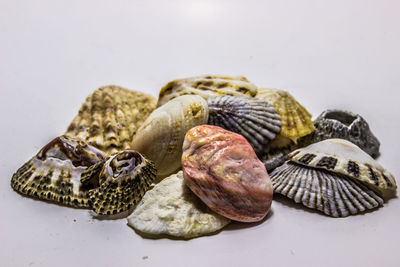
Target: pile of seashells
{"points": [[188, 163]]}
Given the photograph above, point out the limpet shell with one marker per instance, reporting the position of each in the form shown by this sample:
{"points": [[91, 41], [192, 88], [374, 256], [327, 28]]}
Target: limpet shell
{"points": [[171, 208], [161, 136], [332, 193], [54, 173], [110, 117], [119, 182], [342, 156], [295, 119], [223, 170], [253, 118], [206, 86]]}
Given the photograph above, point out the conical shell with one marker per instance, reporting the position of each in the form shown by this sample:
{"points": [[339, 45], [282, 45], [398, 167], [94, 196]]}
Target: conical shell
{"points": [[171, 208], [344, 125], [333, 194], [206, 86], [295, 119], [119, 182], [54, 173], [161, 136], [342, 156], [253, 118], [110, 117]]}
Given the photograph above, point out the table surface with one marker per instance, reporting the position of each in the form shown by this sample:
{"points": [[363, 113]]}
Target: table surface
{"points": [[336, 54]]}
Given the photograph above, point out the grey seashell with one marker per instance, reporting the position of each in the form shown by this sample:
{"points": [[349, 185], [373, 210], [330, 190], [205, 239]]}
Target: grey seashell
{"points": [[274, 158], [253, 118], [334, 194], [345, 125]]}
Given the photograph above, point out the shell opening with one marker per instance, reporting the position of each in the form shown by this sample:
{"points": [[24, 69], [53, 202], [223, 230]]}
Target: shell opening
{"points": [[344, 117]]}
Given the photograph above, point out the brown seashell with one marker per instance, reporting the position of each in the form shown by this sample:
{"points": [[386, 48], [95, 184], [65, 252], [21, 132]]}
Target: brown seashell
{"points": [[222, 169]]}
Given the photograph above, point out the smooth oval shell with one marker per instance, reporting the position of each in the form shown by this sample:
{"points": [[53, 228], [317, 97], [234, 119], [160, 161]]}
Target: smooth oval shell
{"points": [[161, 136], [172, 208], [342, 156], [331, 193], [253, 118], [222, 169], [110, 117], [295, 119], [206, 86]]}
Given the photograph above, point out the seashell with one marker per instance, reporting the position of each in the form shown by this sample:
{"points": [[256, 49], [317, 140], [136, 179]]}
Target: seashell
{"points": [[110, 117], [222, 169], [161, 136], [118, 183], [171, 208], [274, 158], [253, 118], [342, 156], [345, 125], [206, 86], [295, 119], [54, 173], [332, 193]]}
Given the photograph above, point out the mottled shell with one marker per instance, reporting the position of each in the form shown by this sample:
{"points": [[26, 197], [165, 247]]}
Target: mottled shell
{"points": [[295, 119], [223, 170], [110, 117], [274, 158], [206, 86], [344, 125], [161, 136], [118, 183], [342, 156], [253, 118], [171, 208], [331, 193], [54, 173]]}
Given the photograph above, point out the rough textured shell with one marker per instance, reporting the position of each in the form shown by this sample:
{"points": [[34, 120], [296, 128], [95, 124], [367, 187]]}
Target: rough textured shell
{"points": [[171, 208], [296, 120], [333, 194], [54, 173], [344, 125], [110, 117], [274, 158], [119, 182], [161, 136], [222, 169], [253, 118], [206, 86], [342, 156]]}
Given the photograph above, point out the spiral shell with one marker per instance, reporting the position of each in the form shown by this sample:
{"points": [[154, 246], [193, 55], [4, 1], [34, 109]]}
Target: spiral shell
{"points": [[253, 118], [110, 117], [161, 136], [206, 86]]}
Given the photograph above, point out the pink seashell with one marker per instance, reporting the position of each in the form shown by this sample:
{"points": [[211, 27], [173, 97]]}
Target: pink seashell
{"points": [[222, 169]]}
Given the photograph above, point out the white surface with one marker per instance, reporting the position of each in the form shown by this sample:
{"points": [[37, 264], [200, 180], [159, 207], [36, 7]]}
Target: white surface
{"points": [[336, 54]]}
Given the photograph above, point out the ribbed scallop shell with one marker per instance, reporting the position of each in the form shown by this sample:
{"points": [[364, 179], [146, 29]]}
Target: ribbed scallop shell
{"points": [[333, 194], [161, 136], [110, 117], [206, 86], [344, 125], [172, 208], [342, 156], [295, 119], [253, 118], [119, 182], [54, 173]]}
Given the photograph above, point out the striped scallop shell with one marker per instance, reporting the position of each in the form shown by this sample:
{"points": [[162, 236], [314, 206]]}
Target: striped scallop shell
{"points": [[342, 156], [206, 86], [110, 117], [296, 120], [331, 193], [54, 173], [253, 118], [119, 182], [161, 136]]}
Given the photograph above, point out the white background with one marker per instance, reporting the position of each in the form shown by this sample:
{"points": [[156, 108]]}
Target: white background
{"points": [[329, 54]]}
